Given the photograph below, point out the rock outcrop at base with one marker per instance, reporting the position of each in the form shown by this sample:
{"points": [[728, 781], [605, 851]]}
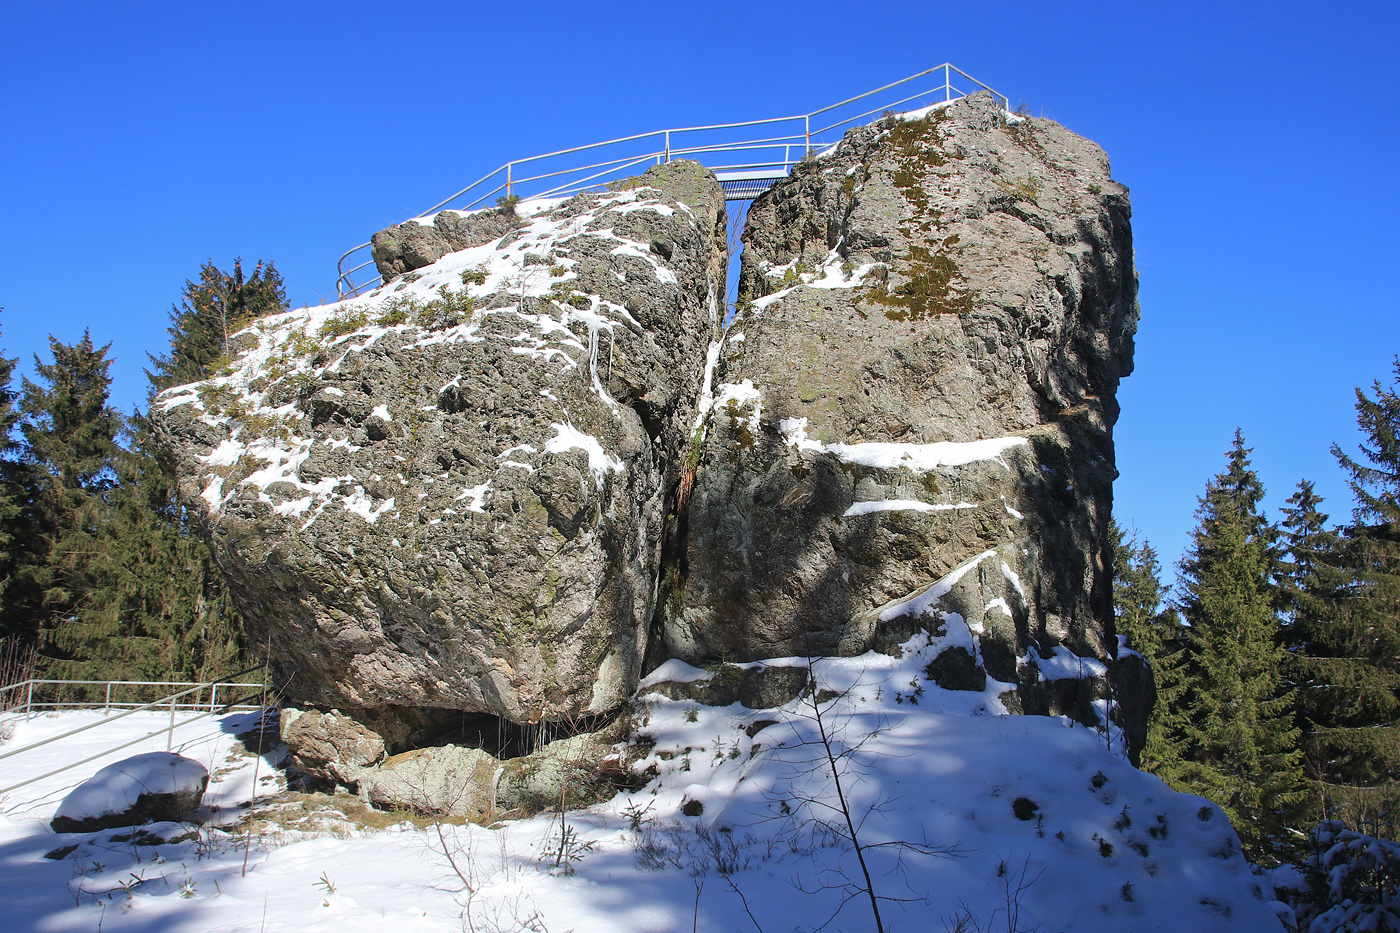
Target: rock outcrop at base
{"points": [[447, 497], [484, 775], [912, 426]]}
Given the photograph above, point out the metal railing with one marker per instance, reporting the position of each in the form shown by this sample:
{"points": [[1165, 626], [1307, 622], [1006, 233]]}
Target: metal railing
{"points": [[745, 166], [33, 702], [170, 702]]}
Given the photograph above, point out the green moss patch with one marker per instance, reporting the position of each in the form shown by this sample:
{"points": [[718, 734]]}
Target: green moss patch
{"points": [[930, 288]]}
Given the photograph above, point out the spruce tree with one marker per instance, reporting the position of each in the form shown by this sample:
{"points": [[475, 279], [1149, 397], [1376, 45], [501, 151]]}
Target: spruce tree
{"points": [[1154, 630], [1310, 584], [69, 446], [211, 311], [1351, 613], [155, 607], [1241, 742], [11, 494], [69, 429], [125, 592]]}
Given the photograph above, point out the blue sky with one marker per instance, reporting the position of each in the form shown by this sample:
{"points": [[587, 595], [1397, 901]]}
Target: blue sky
{"points": [[1259, 142]]}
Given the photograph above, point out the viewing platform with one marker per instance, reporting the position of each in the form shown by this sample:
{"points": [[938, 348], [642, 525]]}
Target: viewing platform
{"points": [[748, 158]]}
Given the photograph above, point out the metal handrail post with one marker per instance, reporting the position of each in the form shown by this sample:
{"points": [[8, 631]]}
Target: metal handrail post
{"points": [[107, 707], [29, 700], [947, 84], [170, 736], [1005, 101], [807, 127], [213, 692], [668, 145], [510, 166]]}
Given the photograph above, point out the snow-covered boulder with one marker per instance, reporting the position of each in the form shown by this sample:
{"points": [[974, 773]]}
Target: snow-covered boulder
{"points": [[920, 387], [149, 788], [447, 497]]}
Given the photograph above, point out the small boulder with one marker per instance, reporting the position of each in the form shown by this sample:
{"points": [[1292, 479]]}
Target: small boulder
{"points": [[443, 780], [724, 684], [406, 247], [330, 744], [148, 788]]}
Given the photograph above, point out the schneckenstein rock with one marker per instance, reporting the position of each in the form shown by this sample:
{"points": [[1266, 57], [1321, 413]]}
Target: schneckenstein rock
{"points": [[526, 471]]}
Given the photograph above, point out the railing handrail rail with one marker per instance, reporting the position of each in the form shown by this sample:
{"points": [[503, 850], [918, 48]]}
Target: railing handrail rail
{"points": [[771, 142], [106, 751], [723, 126], [117, 683], [343, 282], [52, 706], [673, 151], [122, 715]]}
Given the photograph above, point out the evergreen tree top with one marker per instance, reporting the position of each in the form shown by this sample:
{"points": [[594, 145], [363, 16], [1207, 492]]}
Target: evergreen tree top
{"points": [[1306, 538], [1375, 477], [1229, 509], [69, 430], [217, 306]]}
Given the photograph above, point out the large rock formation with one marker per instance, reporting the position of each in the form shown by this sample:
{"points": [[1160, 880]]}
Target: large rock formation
{"points": [[912, 426], [446, 499], [490, 495]]}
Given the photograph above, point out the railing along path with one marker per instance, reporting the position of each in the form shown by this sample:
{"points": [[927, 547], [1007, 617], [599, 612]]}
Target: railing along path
{"points": [[745, 166], [171, 702]]}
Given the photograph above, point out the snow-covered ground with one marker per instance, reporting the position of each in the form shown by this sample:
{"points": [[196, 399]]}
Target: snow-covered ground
{"points": [[961, 811]]}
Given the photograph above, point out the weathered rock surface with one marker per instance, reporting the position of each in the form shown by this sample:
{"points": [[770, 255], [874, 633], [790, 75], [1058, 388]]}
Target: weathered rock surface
{"points": [[913, 419], [148, 788], [448, 496], [753, 686], [330, 744], [471, 782]]}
